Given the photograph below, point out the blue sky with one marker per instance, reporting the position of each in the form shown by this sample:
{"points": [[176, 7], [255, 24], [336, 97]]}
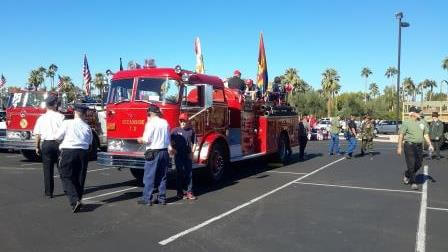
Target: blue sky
{"points": [[308, 35]]}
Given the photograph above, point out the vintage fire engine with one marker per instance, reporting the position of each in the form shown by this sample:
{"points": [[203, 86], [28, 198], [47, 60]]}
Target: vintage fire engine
{"points": [[229, 127], [24, 107]]}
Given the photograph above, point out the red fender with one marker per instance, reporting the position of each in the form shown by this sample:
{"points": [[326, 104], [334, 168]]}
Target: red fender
{"points": [[207, 142]]}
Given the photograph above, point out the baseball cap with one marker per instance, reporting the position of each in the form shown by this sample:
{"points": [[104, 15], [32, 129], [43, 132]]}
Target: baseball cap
{"points": [[183, 116], [153, 108], [236, 72]]}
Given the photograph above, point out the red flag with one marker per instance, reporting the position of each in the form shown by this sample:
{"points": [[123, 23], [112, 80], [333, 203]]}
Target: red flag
{"points": [[262, 73]]}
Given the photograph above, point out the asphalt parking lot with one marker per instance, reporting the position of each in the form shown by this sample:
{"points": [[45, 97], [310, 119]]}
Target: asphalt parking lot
{"points": [[326, 203]]}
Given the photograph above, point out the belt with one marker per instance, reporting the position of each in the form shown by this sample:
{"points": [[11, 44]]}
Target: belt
{"points": [[411, 143], [165, 149], [49, 140]]}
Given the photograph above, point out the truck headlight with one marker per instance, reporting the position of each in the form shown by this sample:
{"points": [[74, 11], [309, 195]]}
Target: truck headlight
{"points": [[115, 145]]}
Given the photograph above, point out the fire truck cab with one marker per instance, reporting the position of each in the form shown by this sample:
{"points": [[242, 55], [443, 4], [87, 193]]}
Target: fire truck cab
{"points": [[228, 126], [23, 109]]}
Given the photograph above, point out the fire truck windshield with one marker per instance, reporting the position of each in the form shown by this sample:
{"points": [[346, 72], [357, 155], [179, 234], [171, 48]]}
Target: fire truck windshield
{"points": [[120, 90], [157, 90], [29, 99]]}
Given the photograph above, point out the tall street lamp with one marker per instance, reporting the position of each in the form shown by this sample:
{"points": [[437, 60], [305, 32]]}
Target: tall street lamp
{"points": [[399, 16]]}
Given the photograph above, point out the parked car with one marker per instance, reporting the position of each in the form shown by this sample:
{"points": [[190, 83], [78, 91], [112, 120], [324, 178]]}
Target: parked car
{"points": [[387, 127], [323, 124]]}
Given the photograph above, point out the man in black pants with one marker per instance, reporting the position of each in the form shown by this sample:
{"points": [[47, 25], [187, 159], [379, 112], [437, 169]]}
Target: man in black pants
{"points": [[413, 132], [77, 138], [45, 132], [183, 140], [303, 137]]}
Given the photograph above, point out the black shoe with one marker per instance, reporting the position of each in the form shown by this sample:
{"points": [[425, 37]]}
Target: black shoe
{"points": [[158, 201], [348, 156], [144, 202], [77, 206]]}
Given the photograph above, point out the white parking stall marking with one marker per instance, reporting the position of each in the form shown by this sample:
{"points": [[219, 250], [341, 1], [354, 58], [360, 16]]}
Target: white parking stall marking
{"points": [[20, 168], [360, 188], [28, 164], [216, 218], [285, 172], [438, 209], [420, 245], [110, 193], [93, 170]]}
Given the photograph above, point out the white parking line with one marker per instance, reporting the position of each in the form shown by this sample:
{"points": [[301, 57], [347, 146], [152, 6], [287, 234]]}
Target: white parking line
{"points": [[19, 168], [94, 170], [420, 245], [438, 209], [28, 164], [357, 187], [295, 173], [209, 221], [110, 193]]}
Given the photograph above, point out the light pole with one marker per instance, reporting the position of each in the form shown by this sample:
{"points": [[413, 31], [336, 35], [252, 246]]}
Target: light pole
{"points": [[399, 16]]}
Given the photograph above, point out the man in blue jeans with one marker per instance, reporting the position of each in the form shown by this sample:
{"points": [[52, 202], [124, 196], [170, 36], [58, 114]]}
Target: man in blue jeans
{"points": [[156, 136], [351, 136], [334, 132]]}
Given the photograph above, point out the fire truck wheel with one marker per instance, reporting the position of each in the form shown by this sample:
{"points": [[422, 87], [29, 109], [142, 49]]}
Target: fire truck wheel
{"points": [[31, 155], [283, 153], [217, 163], [138, 175]]}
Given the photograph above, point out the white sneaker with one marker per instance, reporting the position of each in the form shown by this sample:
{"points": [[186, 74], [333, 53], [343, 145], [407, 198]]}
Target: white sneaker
{"points": [[414, 186], [405, 180]]}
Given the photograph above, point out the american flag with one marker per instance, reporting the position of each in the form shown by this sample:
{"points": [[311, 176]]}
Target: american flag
{"points": [[60, 83], [2, 81], [86, 75]]}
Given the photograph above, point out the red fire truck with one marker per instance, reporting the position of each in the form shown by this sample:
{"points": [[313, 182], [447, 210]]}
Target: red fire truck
{"points": [[23, 109], [229, 127]]}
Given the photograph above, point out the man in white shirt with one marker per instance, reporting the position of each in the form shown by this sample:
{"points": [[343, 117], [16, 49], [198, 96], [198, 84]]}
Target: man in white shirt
{"points": [[77, 138], [45, 134], [157, 139]]}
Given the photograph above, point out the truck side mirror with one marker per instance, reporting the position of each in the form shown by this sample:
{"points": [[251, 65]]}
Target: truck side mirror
{"points": [[208, 96]]}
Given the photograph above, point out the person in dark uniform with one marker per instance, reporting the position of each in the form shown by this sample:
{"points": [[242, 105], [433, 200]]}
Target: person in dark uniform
{"points": [[76, 137], [351, 137], [236, 82], [156, 136], [251, 89], [183, 141], [436, 134], [303, 136], [45, 131], [412, 134]]}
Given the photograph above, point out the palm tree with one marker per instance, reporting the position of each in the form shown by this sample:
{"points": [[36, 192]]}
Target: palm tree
{"points": [[389, 97], [431, 84], [409, 87], [374, 90], [100, 82], [36, 77], [391, 72], [445, 64], [68, 87], [420, 90], [330, 86], [365, 72], [52, 69]]}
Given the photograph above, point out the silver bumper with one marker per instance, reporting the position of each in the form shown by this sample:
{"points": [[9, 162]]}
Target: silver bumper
{"points": [[130, 160], [17, 144]]}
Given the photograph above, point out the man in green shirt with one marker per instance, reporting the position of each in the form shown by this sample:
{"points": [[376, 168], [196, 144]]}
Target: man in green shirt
{"points": [[413, 133], [436, 134], [334, 136]]}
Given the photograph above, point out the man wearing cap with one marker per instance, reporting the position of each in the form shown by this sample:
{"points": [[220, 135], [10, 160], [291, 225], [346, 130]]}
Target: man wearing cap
{"points": [[413, 132], [156, 136], [436, 134], [236, 82], [76, 136], [251, 89], [183, 141], [45, 135]]}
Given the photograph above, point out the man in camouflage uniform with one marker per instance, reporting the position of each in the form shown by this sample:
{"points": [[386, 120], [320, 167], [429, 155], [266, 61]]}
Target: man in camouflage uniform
{"points": [[367, 134]]}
